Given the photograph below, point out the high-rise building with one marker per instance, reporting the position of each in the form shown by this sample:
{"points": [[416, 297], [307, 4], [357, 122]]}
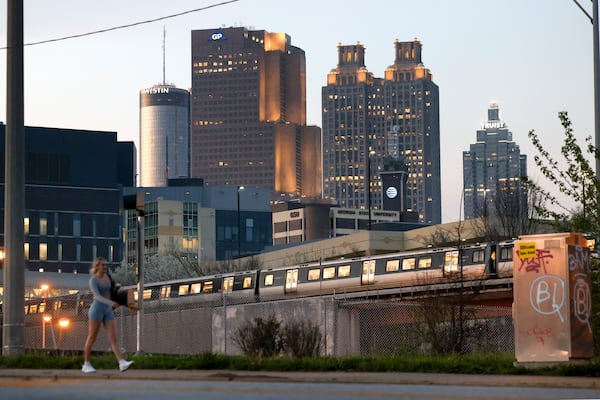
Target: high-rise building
{"points": [[249, 113], [366, 119], [164, 134], [492, 170]]}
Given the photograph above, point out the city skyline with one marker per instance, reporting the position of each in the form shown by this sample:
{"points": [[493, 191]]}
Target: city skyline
{"points": [[513, 53]]}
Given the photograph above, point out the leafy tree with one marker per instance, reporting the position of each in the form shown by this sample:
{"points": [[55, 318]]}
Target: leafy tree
{"points": [[577, 180]]}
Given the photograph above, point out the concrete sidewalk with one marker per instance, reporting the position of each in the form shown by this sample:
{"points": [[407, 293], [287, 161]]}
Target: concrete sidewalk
{"points": [[314, 377]]}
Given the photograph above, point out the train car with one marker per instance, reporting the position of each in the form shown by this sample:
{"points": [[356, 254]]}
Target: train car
{"points": [[419, 267], [232, 287]]}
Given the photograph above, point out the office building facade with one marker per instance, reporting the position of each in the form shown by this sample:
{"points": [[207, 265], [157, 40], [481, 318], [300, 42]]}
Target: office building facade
{"points": [[73, 197], [492, 169], [367, 119], [248, 111], [164, 134]]}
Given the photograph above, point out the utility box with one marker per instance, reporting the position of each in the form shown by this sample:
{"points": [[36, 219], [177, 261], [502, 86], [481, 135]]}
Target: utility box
{"points": [[552, 299]]}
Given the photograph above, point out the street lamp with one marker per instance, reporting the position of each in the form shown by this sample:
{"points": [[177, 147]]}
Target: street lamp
{"points": [[45, 317], [63, 324], [368, 186], [239, 222]]}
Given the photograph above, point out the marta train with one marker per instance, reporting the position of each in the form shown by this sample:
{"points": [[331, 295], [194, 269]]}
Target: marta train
{"points": [[483, 261]]}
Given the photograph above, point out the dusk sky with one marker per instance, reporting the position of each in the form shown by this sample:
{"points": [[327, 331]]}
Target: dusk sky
{"points": [[533, 57]]}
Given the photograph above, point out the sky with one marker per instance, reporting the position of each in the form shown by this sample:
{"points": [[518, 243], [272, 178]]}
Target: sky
{"points": [[533, 57]]}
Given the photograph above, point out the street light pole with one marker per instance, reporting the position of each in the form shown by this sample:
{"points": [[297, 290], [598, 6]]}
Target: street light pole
{"points": [[239, 223], [596, 43]]}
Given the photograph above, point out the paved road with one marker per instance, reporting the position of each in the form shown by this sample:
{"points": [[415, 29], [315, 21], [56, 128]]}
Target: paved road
{"points": [[218, 385]]}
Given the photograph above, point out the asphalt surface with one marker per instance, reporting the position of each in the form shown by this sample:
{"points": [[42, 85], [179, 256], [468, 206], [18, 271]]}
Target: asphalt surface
{"points": [[315, 377]]}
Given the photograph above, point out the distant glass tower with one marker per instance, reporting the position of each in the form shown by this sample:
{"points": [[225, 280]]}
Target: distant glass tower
{"points": [[398, 116], [492, 169], [164, 134], [249, 113]]}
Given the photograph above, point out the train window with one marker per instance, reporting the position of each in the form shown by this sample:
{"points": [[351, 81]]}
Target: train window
{"points": [[314, 274], [26, 310], [247, 282], [196, 288], [478, 256], [42, 308], [57, 305], [506, 253], [207, 287], [392, 265], [329, 273], [451, 261], [343, 271], [408, 263], [424, 262], [269, 280], [165, 292], [183, 290], [147, 294], [228, 284]]}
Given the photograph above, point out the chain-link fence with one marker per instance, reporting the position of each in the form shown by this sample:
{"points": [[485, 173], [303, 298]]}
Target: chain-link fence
{"points": [[356, 327]]}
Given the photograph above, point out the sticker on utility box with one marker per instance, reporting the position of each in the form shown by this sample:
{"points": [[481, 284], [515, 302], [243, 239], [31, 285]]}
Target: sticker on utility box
{"points": [[527, 250]]}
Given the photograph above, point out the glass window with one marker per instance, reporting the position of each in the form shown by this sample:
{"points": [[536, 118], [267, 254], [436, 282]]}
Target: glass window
{"points": [[408, 263], [269, 280], [43, 226], [314, 274], [424, 262], [478, 256], [183, 290], [196, 288], [207, 287], [392, 265], [343, 271], [329, 273], [247, 282], [43, 251], [165, 292]]}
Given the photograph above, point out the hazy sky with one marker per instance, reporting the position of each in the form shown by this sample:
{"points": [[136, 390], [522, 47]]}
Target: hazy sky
{"points": [[533, 57]]}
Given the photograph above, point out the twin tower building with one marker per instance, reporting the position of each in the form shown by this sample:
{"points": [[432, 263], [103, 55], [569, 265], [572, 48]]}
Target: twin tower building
{"points": [[244, 123]]}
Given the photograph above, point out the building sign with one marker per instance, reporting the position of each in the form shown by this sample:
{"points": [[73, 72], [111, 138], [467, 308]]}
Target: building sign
{"points": [[156, 90], [552, 298], [216, 36]]}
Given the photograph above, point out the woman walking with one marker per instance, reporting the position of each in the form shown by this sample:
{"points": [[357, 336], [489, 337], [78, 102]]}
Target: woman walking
{"points": [[101, 313]]}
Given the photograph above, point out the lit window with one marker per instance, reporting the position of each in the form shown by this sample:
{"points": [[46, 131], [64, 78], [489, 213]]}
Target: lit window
{"points": [[247, 282], [392, 265], [269, 280], [183, 290], [196, 288], [425, 262], [329, 273], [408, 263], [228, 284], [43, 251], [343, 271], [207, 287], [314, 274]]}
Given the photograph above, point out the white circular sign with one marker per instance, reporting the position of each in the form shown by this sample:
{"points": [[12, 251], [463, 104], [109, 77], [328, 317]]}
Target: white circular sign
{"points": [[391, 192]]}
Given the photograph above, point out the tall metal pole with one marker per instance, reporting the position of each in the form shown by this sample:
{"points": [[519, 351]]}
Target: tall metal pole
{"points": [[596, 43], [14, 189], [239, 224], [140, 283]]}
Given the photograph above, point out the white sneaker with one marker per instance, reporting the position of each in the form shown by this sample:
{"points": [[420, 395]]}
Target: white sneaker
{"points": [[87, 368], [124, 365]]}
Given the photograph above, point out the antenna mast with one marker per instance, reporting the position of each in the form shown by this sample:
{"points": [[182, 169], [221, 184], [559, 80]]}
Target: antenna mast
{"points": [[163, 46]]}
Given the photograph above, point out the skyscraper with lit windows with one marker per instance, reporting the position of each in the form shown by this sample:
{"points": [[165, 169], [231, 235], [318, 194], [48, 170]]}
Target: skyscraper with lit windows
{"points": [[492, 171], [366, 119], [249, 113]]}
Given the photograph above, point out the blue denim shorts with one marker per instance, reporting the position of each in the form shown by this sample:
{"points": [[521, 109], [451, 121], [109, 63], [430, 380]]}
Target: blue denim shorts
{"points": [[101, 312]]}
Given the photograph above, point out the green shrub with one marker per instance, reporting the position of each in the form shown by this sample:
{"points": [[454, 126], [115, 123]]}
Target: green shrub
{"points": [[302, 339], [259, 337]]}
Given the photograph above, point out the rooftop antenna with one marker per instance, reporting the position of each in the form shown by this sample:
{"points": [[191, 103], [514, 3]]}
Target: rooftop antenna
{"points": [[163, 46]]}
